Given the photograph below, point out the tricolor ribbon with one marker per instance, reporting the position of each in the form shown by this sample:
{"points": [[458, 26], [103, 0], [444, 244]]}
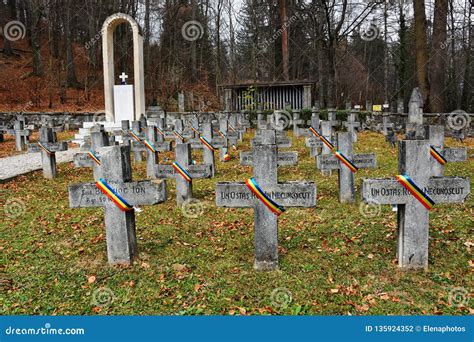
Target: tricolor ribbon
{"points": [[44, 148], [438, 156], [262, 196], [346, 161], [150, 146], [94, 157], [336, 153], [195, 131], [178, 135], [160, 131], [113, 195], [135, 136], [232, 127], [206, 143], [408, 184], [182, 171], [323, 139], [221, 134]]}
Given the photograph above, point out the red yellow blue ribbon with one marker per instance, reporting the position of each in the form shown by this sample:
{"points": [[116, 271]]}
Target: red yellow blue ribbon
{"points": [[113, 195], [178, 135], [94, 157], [44, 148], [232, 127], [206, 143], [222, 134], [135, 136], [195, 131], [182, 171], [150, 146], [160, 131], [263, 197], [323, 139], [408, 184], [346, 161], [438, 156]]}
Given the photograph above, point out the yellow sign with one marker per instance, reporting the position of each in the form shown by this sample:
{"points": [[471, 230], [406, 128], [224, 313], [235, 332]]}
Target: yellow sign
{"points": [[377, 108]]}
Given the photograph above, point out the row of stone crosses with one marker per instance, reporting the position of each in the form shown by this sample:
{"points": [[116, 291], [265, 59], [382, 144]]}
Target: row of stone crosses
{"points": [[419, 185]]}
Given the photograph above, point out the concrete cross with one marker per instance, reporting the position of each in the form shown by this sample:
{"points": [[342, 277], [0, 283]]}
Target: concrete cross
{"points": [[184, 188], [99, 139], [282, 139], [332, 118], [346, 176], [123, 77], [48, 147], [313, 142], [154, 143], [137, 146], [413, 219], [352, 125], [21, 134], [453, 154], [327, 132], [116, 171], [290, 194]]}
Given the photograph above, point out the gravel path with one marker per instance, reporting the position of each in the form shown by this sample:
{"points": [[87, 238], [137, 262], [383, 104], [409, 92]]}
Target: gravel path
{"points": [[14, 166]]}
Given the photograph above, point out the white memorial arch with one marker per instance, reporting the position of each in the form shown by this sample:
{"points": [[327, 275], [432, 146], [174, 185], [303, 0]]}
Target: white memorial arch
{"points": [[108, 29]]}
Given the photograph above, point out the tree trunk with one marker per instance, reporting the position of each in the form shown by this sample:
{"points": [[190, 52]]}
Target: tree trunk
{"points": [[439, 56], [421, 51], [71, 79], [284, 40], [34, 19]]}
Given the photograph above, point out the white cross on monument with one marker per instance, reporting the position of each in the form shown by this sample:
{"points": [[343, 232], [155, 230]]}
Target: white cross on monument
{"points": [[123, 77]]}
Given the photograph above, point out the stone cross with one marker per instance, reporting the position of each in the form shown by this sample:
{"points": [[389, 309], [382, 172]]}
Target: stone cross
{"points": [[281, 139], [290, 194], [351, 124], [237, 132], [48, 147], [99, 139], [208, 154], [184, 188], [346, 176], [137, 146], [116, 171], [154, 142], [179, 127], [332, 118], [21, 134], [223, 128], [413, 219], [327, 132], [456, 154], [414, 126], [313, 142], [386, 124], [123, 77], [283, 158]]}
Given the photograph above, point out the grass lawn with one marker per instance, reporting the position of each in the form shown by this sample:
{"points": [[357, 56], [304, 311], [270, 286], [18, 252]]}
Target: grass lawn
{"points": [[333, 260]]}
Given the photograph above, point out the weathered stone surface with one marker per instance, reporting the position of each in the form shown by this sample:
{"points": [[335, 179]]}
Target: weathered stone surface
{"points": [[53, 147], [120, 225], [137, 193], [288, 194], [285, 194], [361, 160], [440, 190], [283, 159], [413, 218]]}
